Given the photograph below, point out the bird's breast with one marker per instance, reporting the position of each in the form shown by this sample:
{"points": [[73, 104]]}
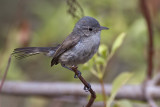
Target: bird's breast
{"points": [[82, 51]]}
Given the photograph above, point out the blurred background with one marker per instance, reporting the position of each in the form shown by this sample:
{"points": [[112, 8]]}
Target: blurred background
{"points": [[41, 23]]}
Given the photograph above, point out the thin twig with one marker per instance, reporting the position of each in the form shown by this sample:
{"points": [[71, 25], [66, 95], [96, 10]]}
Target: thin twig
{"points": [[103, 92], [5, 73], [93, 94], [74, 6], [145, 11]]}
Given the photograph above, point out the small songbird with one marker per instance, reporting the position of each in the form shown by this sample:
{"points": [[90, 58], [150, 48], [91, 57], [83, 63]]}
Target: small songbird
{"points": [[76, 49]]}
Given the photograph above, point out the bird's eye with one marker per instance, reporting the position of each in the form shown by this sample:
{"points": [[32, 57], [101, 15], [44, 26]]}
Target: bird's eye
{"points": [[90, 29]]}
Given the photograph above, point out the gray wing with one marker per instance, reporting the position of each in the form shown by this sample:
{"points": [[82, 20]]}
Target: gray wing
{"points": [[67, 44], [21, 53]]}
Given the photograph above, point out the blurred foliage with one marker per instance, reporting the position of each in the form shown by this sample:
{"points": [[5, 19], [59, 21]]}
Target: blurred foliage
{"points": [[121, 80], [47, 22], [123, 103], [97, 65]]}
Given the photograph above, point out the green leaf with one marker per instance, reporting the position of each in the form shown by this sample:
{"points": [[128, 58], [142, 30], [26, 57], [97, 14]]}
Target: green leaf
{"points": [[94, 72], [124, 103], [103, 51], [117, 84], [99, 60], [85, 66], [117, 43], [99, 97]]}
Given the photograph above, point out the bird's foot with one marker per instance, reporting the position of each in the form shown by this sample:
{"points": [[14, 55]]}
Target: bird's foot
{"points": [[87, 88], [77, 75]]}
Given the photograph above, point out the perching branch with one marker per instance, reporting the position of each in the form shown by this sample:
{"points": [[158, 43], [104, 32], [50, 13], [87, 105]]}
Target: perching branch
{"points": [[93, 94]]}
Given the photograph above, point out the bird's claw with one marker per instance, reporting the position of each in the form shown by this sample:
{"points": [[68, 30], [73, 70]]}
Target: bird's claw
{"points": [[77, 75], [87, 88]]}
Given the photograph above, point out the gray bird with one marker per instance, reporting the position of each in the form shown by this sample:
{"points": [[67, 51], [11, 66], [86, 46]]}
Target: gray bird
{"points": [[76, 49]]}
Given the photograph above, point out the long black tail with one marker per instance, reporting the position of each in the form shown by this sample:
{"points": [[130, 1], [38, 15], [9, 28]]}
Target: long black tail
{"points": [[21, 53]]}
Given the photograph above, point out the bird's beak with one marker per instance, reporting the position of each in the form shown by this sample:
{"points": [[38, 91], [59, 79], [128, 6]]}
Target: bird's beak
{"points": [[103, 28]]}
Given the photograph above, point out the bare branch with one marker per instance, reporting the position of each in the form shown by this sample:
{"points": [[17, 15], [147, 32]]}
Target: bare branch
{"points": [[149, 91], [5, 73], [145, 11], [75, 89]]}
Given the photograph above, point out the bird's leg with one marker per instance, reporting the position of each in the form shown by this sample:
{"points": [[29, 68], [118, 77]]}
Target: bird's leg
{"points": [[66, 67], [75, 76]]}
